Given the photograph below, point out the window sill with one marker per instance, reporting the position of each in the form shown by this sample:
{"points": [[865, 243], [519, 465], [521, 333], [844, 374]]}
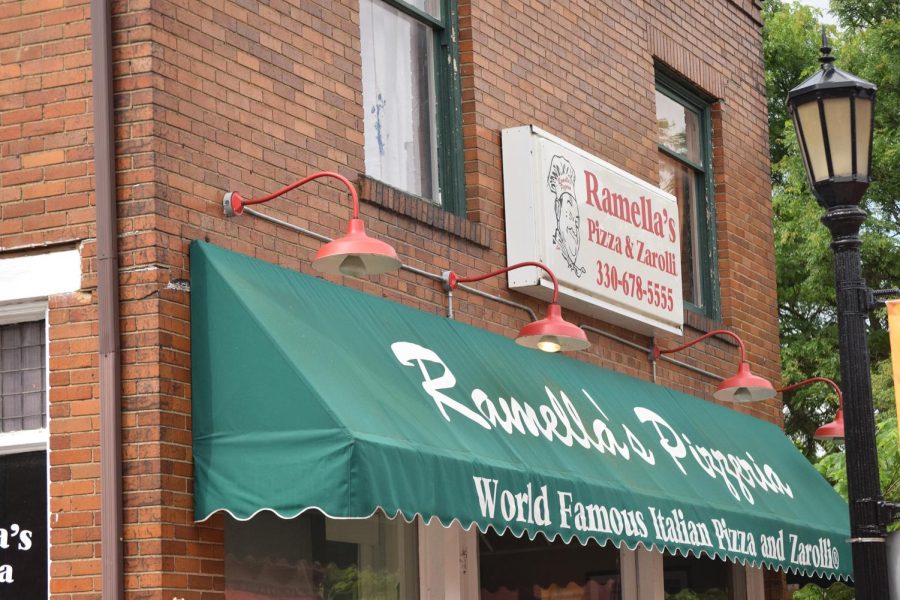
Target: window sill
{"points": [[29, 440], [380, 194], [704, 324]]}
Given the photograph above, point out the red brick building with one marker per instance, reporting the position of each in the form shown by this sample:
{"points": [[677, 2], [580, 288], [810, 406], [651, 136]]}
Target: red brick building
{"points": [[408, 101]]}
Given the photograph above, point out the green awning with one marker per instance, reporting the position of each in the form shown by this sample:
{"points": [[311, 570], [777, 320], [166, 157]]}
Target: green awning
{"points": [[308, 395]]}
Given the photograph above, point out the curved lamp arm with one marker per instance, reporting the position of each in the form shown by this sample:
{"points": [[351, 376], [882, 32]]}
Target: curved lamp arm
{"points": [[234, 203], [837, 389], [453, 279], [657, 351]]}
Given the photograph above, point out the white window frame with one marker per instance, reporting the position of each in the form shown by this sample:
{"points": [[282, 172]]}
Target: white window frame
{"points": [[448, 561], [448, 568], [642, 577]]}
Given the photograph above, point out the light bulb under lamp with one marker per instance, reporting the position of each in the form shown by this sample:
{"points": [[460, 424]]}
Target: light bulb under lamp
{"points": [[549, 343]]}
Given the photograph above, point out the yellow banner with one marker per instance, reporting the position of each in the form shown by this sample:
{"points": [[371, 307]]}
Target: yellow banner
{"points": [[893, 311]]}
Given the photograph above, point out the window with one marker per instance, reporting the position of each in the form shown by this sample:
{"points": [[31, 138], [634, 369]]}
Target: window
{"points": [[411, 100], [685, 171], [22, 367], [317, 558]]}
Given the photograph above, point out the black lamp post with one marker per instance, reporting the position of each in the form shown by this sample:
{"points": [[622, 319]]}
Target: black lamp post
{"points": [[832, 112]]}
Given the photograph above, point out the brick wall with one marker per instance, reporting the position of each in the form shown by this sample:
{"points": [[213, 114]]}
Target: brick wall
{"points": [[46, 202], [220, 95]]}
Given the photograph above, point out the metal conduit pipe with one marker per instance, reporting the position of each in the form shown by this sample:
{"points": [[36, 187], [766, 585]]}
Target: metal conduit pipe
{"points": [[496, 298], [108, 302], [426, 274], [649, 351]]}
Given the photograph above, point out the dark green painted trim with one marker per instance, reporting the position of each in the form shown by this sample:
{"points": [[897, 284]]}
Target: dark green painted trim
{"points": [[449, 113], [710, 297], [681, 157], [416, 13]]}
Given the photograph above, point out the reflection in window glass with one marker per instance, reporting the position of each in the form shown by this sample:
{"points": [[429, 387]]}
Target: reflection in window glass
{"points": [[432, 7], [312, 557], [514, 568], [680, 180], [692, 578], [679, 128], [398, 99]]}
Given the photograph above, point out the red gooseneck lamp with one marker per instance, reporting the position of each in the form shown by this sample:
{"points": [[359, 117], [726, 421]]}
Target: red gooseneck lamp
{"points": [[355, 254], [550, 334], [828, 431], [744, 386]]}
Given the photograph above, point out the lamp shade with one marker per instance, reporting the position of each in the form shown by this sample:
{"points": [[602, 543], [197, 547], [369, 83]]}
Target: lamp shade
{"points": [[356, 254], [833, 430], [744, 387], [832, 112], [553, 333]]}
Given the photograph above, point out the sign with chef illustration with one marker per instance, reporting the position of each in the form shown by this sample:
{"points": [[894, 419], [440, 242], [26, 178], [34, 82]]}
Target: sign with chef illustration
{"points": [[611, 239]]}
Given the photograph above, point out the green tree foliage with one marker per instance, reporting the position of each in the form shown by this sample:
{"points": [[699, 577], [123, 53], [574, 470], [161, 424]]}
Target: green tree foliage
{"points": [[790, 47], [864, 14], [868, 46]]}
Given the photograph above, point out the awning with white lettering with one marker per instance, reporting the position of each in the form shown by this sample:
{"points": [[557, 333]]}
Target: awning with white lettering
{"points": [[309, 395]]}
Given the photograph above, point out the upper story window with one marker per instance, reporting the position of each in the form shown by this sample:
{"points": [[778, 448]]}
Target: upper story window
{"points": [[685, 170], [411, 102]]}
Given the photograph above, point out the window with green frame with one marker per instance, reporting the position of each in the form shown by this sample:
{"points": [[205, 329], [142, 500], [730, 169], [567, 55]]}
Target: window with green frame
{"points": [[686, 171], [411, 98]]}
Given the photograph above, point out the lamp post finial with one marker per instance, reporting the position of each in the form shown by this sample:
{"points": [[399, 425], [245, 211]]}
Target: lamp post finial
{"points": [[826, 59]]}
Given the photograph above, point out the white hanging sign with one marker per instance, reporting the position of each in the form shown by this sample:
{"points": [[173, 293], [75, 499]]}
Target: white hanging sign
{"points": [[612, 240]]}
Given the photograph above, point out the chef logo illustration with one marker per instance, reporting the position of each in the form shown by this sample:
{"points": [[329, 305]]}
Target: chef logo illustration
{"points": [[567, 237]]}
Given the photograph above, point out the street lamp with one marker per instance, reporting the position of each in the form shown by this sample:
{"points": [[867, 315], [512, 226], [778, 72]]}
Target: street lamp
{"points": [[833, 112]]}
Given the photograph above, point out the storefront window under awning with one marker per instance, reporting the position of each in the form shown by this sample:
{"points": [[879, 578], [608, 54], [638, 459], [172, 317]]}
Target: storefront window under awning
{"points": [[311, 395]]}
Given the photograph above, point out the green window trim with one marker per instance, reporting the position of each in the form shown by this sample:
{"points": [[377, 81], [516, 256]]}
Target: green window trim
{"points": [[706, 206], [448, 99]]}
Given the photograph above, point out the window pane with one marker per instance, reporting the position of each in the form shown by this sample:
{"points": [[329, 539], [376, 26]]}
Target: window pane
{"points": [[432, 7], [514, 568], [681, 181], [22, 366], [398, 99], [692, 577], [316, 558], [678, 128]]}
